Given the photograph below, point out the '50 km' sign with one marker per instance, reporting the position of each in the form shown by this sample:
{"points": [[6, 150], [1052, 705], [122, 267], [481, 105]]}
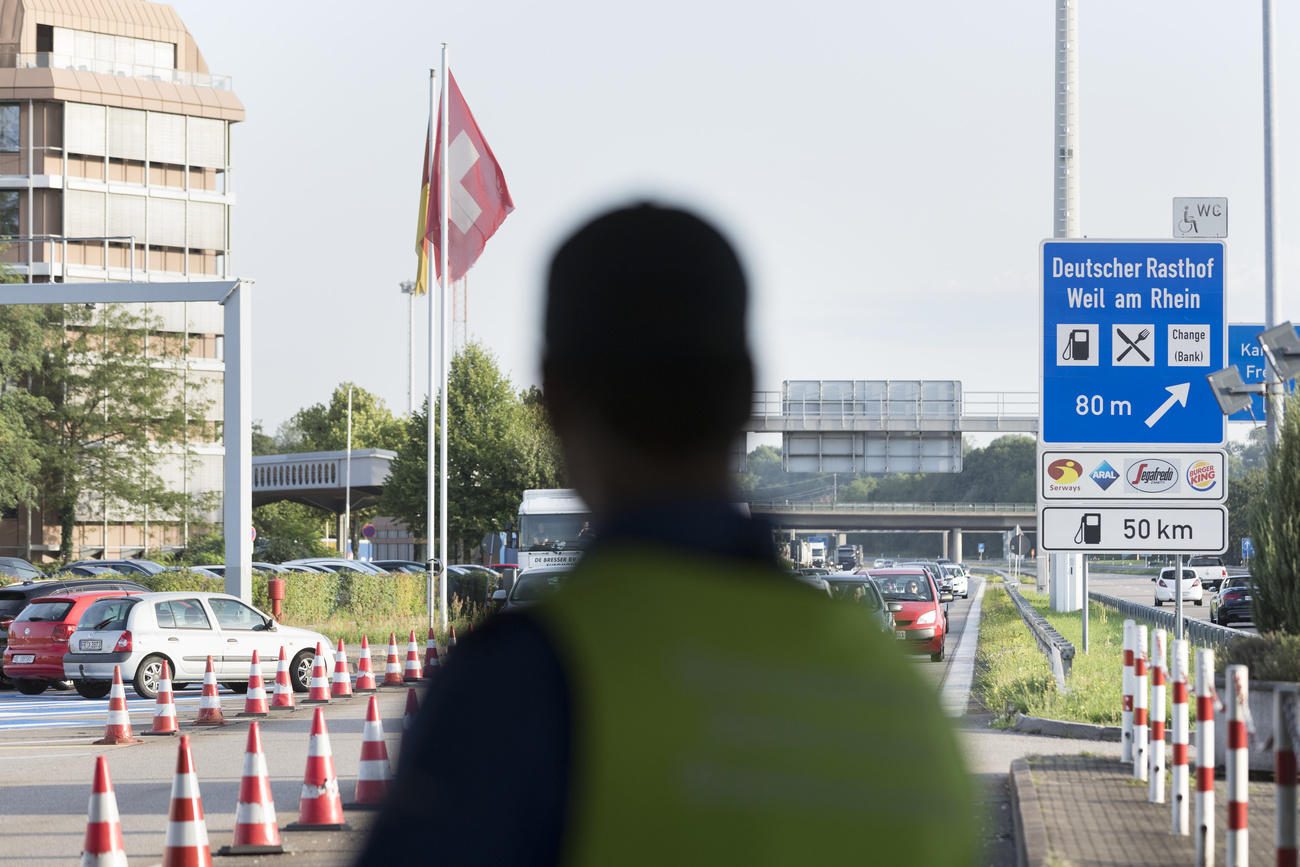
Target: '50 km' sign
{"points": [[1130, 330]]}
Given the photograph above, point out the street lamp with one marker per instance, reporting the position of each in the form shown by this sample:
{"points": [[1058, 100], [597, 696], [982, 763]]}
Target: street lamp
{"points": [[408, 288]]}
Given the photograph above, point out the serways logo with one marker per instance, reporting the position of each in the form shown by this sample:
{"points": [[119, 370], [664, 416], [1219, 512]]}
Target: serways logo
{"points": [[1202, 476], [1151, 475], [1064, 474]]}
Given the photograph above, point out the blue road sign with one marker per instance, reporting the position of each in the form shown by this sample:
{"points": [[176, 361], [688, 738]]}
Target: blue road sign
{"points": [[981, 547], [1130, 330], [1247, 547], [1244, 351]]}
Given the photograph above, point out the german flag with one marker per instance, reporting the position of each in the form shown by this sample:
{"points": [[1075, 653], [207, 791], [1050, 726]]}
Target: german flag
{"points": [[422, 245]]}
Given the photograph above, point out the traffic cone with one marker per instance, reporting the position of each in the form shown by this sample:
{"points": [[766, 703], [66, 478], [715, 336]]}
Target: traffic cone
{"points": [[412, 672], [187, 832], [282, 696], [103, 846], [319, 808], [365, 677], [255, 829], [210, 703], [255, 699], [374, 771], [342, 685], [392, 672], [431, 663], [409, 714], [164, 709], [451, 637], [320, 691], [118, 729]]}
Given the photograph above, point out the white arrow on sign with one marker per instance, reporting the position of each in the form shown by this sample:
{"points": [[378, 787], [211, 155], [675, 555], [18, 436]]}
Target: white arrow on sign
{"points": [[1177, 394]]}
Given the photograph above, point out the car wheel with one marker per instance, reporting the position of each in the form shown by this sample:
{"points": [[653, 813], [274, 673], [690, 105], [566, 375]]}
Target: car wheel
{"points": [[300, 671], [236, 688], [1198, 602], [147, 675], [92, 688], [30, 687], [1159, 603], [938, 657]]}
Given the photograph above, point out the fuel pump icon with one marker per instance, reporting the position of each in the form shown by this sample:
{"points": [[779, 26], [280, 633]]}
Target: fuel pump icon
{"points": [[1089, 532]]}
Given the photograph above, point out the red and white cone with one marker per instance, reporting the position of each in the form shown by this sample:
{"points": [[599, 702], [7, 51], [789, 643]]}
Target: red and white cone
{"points": [[210, 703], [187, 832], [392, 671], [374, 771], [164, 709], [255, 829], [319, 808], [282, 696], [118, 729], [430, 655], [413, 671], [409, 714], [451, 637], [255, 698], [320, 691], [103, 846], [341, 687], [365, 676]]}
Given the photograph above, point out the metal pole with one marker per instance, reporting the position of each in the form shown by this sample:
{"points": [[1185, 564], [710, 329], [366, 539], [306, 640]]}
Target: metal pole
{"points": [[1178, 596], [408, 289], [347, 484], [1084, 580], [1273, 396], [431, 480], [443, 214]]}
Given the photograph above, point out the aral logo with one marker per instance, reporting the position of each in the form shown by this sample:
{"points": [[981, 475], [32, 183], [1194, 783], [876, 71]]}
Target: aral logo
{"points": [[1105, 475], [1202, 476], [1151, 475], [1065, 471]]}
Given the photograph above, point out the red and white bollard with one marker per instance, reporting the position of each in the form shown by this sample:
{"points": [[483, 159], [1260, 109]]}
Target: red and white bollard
{"points": [[1126, 710], [1284, 772], [1156, 789], [1140, 703], [1178, 772], [1205, 758], [1238, 761]]}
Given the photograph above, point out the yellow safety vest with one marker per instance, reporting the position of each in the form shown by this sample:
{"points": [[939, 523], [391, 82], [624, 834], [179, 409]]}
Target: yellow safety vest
{"points": [[724, 714]]}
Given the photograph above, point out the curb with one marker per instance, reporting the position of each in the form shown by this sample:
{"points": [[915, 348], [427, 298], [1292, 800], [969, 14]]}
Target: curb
{"points": [[1034, 725], [1027, 818]]}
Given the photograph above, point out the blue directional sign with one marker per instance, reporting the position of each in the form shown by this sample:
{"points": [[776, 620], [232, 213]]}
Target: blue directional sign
{"points": [[1244, 351], [1130, 330]]}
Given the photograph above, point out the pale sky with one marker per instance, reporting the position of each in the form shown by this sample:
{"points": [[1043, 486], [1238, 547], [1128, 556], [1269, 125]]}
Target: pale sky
{"points": [[885, 167]]}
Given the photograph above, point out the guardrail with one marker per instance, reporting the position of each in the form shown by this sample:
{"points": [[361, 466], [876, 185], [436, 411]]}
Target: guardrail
{"points": [[1055, 646], [1198, 632], [787, 506]]}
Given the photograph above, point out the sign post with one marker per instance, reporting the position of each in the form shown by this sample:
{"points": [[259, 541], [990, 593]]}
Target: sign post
{"points": [[1131, 436]]}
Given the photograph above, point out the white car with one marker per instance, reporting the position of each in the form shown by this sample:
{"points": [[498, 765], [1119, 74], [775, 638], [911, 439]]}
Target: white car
{"points": [[1191, 587], [183, 628], [960, 581]]}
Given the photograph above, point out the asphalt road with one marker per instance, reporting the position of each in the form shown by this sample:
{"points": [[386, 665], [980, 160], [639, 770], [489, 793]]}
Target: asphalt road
{"points": [[1141, 589]]}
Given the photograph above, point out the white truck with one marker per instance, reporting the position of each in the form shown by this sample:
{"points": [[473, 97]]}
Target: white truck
{"points": [[1209, 568], [817, 551], [554, 528]]}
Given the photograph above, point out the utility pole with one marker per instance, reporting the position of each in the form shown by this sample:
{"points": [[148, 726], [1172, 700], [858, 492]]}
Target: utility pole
{"points": [[408, 288], [1274, 387]]}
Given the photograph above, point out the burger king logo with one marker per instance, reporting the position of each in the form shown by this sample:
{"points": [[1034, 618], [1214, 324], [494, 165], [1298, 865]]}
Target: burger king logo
{"points": [[1065, 471], [1202, 475]]}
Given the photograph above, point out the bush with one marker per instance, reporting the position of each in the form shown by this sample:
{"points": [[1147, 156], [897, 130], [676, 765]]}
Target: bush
{"points": [[1275, 526], [166, 582], [1272, 656]]}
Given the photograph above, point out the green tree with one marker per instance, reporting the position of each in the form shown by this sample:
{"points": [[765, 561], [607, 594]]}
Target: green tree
{"points": [[290, 531], [1246, 488], [495, 451], [1275, 526], [324, 427]]}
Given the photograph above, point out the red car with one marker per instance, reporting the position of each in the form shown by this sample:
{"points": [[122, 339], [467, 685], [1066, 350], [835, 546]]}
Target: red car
{"points": [[38, 638], [920, 620]]}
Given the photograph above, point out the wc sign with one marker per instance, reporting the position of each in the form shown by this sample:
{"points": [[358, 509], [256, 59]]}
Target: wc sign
{"points": [[1200, 217]]}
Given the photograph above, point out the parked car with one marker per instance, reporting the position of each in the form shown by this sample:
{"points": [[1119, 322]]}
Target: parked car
{"points": [[15, 597], [861, 590], [38, 639], [531, 586], [1191, 587], [83, 571], [139, 632], [1209, 569], [17, 567], [219, 569], [1233, 603], [916, 602], [336, 564], [196, 570], [124, 567], [408, 566]]}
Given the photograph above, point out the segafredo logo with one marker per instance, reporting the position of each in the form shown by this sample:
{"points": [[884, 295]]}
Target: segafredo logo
{"points": [[1202, 475], [1064, 475], [1104, 475], [1151, 475]]}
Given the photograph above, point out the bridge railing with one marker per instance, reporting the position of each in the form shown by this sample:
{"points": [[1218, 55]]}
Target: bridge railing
{"points": [[976, 508]]}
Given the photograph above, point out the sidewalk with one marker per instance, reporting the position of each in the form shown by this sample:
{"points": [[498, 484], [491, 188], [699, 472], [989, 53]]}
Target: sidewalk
{"points": [[1088, 810]]}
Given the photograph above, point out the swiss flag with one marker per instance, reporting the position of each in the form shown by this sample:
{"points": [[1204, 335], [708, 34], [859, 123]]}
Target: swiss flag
{"points": [[479, 198]]}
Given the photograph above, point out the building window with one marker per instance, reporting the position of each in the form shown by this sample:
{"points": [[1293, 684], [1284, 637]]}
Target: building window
{"points": [[8, 128], [8, 212]]}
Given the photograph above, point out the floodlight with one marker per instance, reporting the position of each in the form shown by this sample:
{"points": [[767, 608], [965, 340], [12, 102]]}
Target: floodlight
{"points": [[1231, 391], [1282, 346]]}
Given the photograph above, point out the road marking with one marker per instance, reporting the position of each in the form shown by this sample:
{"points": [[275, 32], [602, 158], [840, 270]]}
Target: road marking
{"points": [[961, 673]]}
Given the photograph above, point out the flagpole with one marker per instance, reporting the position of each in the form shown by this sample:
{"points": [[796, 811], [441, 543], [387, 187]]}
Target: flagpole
{"points": [[430, 491], [444, 190]]}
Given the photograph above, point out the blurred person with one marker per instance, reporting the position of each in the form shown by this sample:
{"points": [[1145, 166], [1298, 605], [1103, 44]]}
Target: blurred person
{"points": [[651, 712]]}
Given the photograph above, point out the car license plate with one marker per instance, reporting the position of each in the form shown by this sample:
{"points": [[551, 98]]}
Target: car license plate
{"points": [[24, 658], [90, 644], [900, 634], [1246, 599]]}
